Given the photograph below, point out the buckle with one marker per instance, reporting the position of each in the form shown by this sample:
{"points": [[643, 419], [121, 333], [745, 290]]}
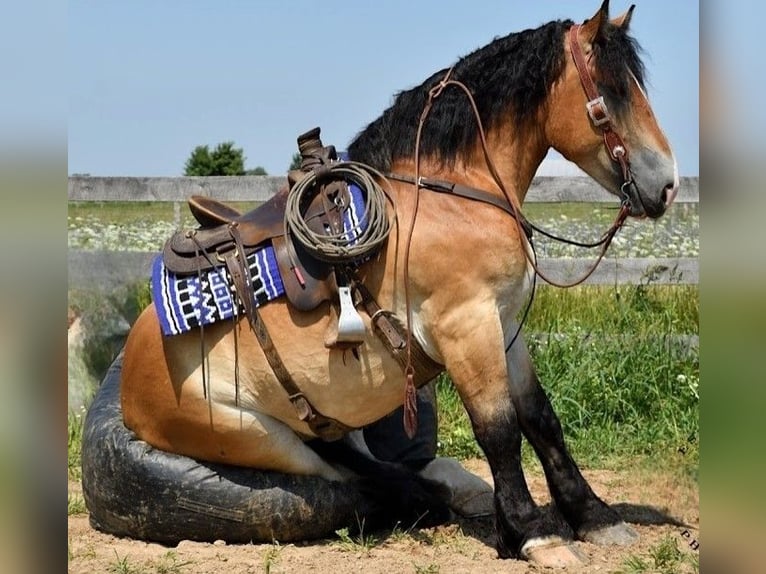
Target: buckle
{"points": [[592, 107]]}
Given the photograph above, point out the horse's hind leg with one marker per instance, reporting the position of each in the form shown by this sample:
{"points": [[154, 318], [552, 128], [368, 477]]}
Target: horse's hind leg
{"points": [[204, 429], [258, 440], [591, 519]]}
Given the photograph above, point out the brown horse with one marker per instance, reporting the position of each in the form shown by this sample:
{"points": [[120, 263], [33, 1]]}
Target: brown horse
{"points": [[468, 273]]}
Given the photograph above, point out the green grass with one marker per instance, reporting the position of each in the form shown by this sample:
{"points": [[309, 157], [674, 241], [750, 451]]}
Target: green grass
{"points": [[168, 563], [272, 556], [75, 504], [428, 569], [122, 565], [358, 542], [664, 558], [455, 434], [622, 389], [136, 212], [102, 344], [74, 445]]}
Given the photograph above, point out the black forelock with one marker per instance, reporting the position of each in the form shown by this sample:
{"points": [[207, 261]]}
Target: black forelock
{"points": [[615, 53]]}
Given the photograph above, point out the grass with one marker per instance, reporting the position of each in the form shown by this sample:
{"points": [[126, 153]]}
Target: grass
{"points": [[271, 557], [123, 565], [611, 358], [170, 564], [664, 558], [622, 385], [167, 564], [74, 445], [75, 504], [137, 212], [104, 335], [626, 391], [359, 542], [428, 569]]}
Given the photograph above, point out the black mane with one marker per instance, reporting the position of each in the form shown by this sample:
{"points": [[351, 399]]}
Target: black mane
{"points": [[512, 74]]}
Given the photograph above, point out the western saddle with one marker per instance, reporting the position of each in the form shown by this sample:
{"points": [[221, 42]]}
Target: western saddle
{"points": [[225, 237]]}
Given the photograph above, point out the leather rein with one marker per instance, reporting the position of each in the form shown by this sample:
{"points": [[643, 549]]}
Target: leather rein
{"points": [[618, 152]]}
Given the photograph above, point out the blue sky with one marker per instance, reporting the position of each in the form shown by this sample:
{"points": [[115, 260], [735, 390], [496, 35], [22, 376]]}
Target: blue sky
{"points": [[148, 81]]}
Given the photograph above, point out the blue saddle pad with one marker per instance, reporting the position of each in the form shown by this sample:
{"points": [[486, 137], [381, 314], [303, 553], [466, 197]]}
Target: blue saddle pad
{"points": [[184, 302]]}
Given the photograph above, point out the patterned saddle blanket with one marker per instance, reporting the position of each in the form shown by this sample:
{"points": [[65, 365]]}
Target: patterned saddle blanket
{"points": [[187, 301]]}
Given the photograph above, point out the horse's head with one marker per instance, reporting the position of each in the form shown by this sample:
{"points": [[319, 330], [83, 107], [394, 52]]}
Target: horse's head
{"points": [[616, 139]]}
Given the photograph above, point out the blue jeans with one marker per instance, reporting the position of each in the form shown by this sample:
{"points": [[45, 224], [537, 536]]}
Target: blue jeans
{"points": [[387, 440]]}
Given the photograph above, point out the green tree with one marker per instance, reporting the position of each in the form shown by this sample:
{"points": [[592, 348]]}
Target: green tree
{"points": [[257, 171], [296, 162], [225, 159]]}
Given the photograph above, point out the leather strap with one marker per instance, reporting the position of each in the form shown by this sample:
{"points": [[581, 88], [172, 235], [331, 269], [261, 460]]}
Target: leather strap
{"points": [[596, 106], [385, 325], [324, 427], [459, 190], [236, 263], [391, 332]]}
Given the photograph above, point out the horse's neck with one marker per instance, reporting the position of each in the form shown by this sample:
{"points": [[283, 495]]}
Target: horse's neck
{"points": [[515, 157]]}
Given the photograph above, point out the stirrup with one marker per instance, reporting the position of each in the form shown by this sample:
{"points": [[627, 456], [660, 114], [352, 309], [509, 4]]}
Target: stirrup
{"points": [[351, 328]]}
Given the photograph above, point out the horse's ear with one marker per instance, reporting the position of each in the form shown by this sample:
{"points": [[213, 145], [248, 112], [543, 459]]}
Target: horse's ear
{"points": [[594, 27], [623, 21]]}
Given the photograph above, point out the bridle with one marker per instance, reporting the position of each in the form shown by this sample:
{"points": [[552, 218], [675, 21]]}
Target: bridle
{"points": [[618, 152], [599, 113]]}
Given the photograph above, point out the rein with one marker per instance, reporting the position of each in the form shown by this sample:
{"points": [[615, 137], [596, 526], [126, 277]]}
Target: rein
{"points": [[601, 119]]}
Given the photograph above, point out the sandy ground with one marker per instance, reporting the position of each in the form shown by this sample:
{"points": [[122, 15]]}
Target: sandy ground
{"points": [[660, 505]]}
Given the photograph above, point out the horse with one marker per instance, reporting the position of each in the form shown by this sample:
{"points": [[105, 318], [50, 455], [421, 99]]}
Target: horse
{"points": [[455, 269]]}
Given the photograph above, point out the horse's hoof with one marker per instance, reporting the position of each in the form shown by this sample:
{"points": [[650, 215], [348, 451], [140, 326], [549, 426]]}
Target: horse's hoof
{"points": [[552, 552], [619, 534]]}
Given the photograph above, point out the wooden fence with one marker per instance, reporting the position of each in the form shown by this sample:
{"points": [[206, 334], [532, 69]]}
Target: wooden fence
{"points": [[109, 269]]}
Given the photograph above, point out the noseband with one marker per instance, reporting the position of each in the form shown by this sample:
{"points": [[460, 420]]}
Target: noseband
{"points": [[599, 114]]}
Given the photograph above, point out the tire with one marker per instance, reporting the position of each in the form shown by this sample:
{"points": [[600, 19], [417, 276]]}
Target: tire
{"points": [[132, 489]]}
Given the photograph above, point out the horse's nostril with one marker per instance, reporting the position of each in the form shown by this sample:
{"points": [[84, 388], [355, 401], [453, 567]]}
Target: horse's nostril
{"points": [[669, 194]]}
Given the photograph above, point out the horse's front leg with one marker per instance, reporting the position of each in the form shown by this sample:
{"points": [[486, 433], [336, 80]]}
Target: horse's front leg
{"points": [[590, 518], [474, 354]]}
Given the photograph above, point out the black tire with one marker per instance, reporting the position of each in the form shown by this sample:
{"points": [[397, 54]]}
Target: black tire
{"points": [[132, 489]]}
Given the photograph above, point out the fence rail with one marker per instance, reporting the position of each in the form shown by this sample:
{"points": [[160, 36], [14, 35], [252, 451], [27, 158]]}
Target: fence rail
{"points": [[108, 270], [544, 189], [111, 269]]}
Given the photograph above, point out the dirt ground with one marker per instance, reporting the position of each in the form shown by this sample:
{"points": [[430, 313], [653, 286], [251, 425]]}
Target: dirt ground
{"points": [[660, 505]]}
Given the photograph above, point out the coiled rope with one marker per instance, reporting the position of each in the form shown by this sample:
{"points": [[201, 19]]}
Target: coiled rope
{"points": [[350, 244]]}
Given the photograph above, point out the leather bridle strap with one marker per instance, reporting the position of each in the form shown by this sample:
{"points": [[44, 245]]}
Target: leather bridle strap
{"points": [[597, 110], [472, 193]]}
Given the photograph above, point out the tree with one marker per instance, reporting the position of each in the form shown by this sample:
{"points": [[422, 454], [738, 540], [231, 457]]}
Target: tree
{"points": [[296, 163], [225, 159], [200, 162], [257, 171]]}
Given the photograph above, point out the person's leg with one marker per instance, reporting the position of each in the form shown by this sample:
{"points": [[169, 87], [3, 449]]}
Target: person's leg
{"points": [[386, 439]]}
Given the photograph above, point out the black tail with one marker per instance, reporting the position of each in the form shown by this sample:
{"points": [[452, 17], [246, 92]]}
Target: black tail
{"points": [[398, 495]]}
